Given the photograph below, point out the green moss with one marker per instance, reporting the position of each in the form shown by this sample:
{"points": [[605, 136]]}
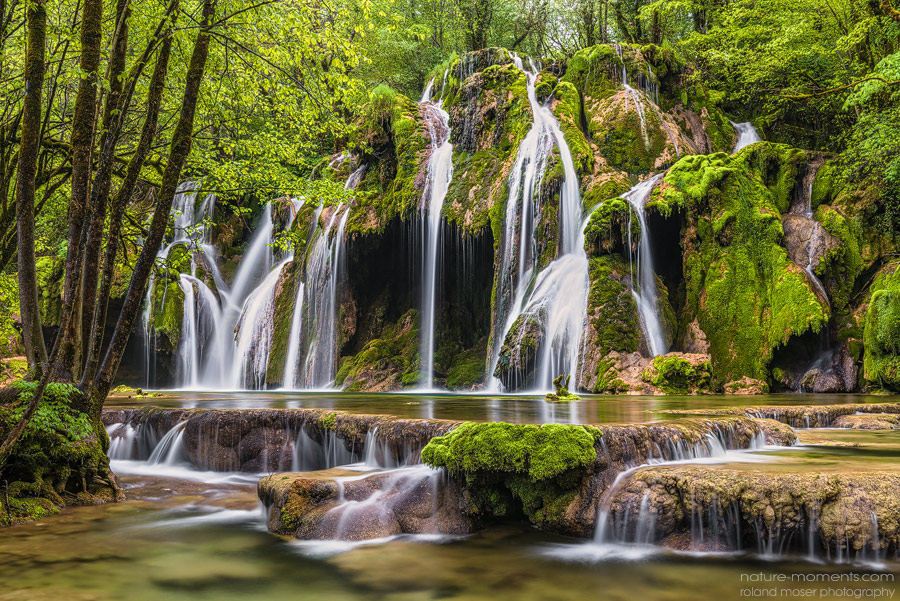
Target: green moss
{"points": [[613, 319], [840, 266], [881, 358], [540, 452], [593, 71], [677, 375], [467, 369], [745, 293], [285, 298], [540, 467], [328, 421], [50, 279], [394, 353], [827, 184], [57, 457], [608, 228], [168, 314]]}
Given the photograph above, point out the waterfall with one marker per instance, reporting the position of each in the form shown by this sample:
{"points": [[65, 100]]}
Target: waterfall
{"points": [[815, 237], [440, 172], [253, 334], [323, 275], [226, 334], [643, 288], [559, 292], [747, 135]]}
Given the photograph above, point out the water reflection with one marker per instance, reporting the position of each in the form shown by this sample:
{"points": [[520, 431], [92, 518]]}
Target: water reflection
{"points": [[482, 407]]}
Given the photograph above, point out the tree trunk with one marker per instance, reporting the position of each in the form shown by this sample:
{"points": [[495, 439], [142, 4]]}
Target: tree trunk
{"points": [[122, 197], [32, 335], [180, 148], [68, 347], [100, 191]]}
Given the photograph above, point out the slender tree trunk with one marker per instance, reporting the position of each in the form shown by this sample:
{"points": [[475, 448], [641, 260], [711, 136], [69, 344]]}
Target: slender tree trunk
{"points": [[180, 148], [33, 337], [122, 197], [657, 35], [68, 346], [100, 191]]}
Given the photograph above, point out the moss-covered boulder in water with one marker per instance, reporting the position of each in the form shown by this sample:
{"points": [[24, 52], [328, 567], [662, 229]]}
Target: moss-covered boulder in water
{"points": [[741, 287], [510, 469]]}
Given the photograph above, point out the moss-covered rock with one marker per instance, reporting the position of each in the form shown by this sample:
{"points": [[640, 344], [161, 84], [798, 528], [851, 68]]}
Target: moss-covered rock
{"points": [[881, 361], [510, 468], [389, 362], [679, 373], [741, 287], [167, 314], [518, 356]]}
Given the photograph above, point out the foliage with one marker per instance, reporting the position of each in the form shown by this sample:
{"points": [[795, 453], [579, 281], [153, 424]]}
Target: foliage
{"points": [[540, 452]]}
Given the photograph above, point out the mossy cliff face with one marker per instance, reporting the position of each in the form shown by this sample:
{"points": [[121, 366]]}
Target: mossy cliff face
{"points": [[386, 363], [881, 361], [747, 296], [766, 508]]}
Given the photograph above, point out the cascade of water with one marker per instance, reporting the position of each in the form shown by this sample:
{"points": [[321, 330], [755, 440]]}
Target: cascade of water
{"points": [[644, 289], [253, 333], [559, 293], [815, 237], [747, 135], [323, 275], [440, 172]]}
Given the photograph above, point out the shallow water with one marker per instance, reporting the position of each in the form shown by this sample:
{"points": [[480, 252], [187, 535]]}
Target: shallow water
{"points": [[592, 409], [181, 540], [203, 536]]}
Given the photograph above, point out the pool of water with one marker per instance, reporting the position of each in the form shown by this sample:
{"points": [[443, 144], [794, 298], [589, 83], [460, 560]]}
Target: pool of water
{"points": [[203, 536], [186, 540], [592, 409]]}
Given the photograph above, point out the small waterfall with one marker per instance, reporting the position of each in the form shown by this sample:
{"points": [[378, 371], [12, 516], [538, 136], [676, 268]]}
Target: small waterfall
{"points": [[559, 293], [644, 289], [253, 333], [816, 237], [323, 275], [440, 172], [747, 135]]}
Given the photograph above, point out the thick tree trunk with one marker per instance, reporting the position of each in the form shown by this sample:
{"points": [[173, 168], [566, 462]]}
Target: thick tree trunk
{"points": [[180, 148], [99, 196], [68, 346], [122, 197], [32, 335]]}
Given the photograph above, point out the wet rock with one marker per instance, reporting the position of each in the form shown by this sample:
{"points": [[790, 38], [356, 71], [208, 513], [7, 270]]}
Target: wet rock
{"points": [[265, 440], [818, 380], [878, 421], [800, 416], [518, 355], [340, 505], [746, 386], [762, 510]]}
